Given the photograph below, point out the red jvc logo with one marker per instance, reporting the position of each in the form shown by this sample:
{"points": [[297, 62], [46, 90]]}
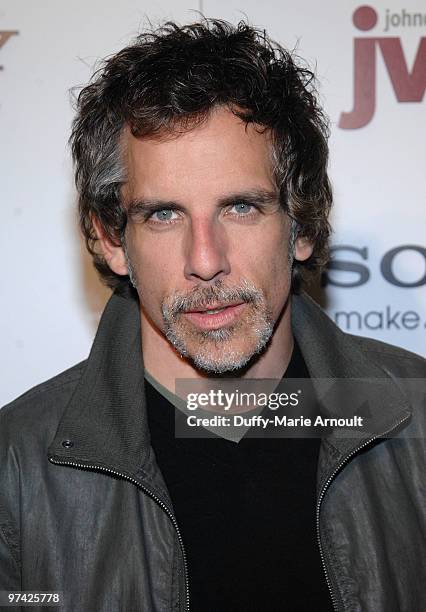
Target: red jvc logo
{"points": [[409, 86]]}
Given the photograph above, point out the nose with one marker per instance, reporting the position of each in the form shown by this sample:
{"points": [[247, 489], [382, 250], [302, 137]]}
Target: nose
{"points": [[206, 251]]}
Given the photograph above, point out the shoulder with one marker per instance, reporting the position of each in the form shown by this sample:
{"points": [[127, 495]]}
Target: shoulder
{"points": [[42, 406], [400, 362], [408, 372], [27, 426]]}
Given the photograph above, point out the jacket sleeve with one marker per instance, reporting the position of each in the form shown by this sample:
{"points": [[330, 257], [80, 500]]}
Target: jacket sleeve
{"points": [[10, 574], [9, 569]]}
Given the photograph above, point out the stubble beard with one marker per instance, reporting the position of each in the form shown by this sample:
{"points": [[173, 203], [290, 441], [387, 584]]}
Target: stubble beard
{"points": [[212, 350], [216, 351]]}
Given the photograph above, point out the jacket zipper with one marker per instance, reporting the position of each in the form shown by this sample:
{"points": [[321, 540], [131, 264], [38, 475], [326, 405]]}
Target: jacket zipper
{"points": [[323, 492], [150, 494]]}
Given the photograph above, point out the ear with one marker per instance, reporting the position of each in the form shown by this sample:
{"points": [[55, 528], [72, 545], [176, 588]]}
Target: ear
{"points": [[113, 254], [303, 249]]}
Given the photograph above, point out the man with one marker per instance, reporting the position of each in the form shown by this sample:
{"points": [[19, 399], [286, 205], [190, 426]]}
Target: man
{"points": [[201, 160]]}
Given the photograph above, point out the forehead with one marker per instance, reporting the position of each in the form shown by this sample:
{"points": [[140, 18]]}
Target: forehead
{"points": [[223, 153]]}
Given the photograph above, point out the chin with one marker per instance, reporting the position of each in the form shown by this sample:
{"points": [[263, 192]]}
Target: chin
{"points": [[222, 354], [220, 366]]}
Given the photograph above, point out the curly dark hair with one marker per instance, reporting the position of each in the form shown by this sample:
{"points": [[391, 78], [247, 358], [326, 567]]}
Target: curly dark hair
{"points": [[171, 78]]}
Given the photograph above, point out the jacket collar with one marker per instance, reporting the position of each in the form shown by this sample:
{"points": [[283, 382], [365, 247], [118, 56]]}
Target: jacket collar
{"points": [[106, 420], [330, 353]]}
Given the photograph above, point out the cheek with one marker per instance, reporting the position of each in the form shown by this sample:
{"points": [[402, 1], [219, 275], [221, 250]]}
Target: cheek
{"points": [[156, 270], [277, 279], [268, 261]]}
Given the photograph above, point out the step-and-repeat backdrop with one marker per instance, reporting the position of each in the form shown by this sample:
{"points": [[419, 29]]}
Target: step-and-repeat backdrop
{"points": [[371, 62]]}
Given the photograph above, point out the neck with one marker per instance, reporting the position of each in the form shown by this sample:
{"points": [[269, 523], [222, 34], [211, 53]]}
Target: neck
{"points": [[165, 364]]}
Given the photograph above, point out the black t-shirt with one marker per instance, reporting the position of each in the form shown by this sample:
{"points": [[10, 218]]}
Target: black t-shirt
{"points": [[246, 513]]}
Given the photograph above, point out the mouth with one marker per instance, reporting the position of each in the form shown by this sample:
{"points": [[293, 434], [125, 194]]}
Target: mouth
{"points": [[215, 316], [214, 308]]}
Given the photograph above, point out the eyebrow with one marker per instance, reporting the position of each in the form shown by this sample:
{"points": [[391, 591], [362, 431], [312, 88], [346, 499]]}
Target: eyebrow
{"points": [[251, 196]]}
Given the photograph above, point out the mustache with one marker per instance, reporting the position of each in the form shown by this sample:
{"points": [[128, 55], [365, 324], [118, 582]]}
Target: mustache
{"points": [[202, 297]]}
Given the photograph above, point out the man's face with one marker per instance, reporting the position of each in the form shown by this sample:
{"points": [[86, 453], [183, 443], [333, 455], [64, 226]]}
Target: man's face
{"points": [[207, 240]]}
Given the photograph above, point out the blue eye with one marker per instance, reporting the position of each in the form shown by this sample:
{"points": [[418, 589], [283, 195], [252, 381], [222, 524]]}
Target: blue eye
{"points": [[243, 207], [165, 214]]}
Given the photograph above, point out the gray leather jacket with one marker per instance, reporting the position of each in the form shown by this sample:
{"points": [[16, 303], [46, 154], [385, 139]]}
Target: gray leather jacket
{"points": [[84, 508]]}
